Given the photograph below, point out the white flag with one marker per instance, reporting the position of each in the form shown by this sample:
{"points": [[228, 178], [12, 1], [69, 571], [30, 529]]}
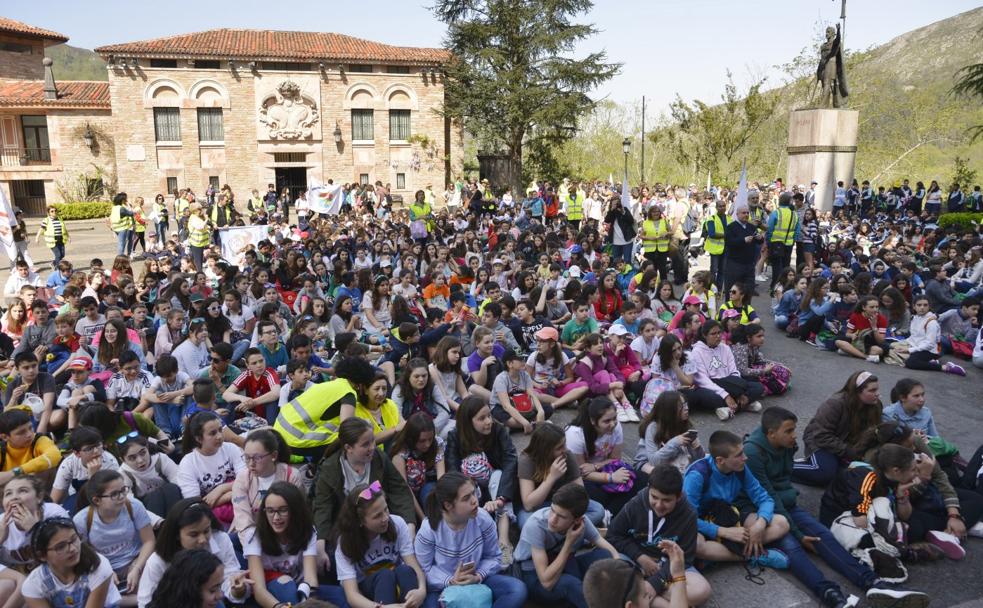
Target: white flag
{"points": [[234, 241], [740, 201], [8, 221], [325, 198]]}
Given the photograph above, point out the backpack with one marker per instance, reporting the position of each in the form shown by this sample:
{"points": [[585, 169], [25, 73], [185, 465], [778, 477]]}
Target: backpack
{"points": [[702, 466]]}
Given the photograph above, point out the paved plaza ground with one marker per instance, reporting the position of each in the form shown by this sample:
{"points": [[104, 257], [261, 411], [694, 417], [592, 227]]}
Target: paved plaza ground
{"points": [[957, 404]]}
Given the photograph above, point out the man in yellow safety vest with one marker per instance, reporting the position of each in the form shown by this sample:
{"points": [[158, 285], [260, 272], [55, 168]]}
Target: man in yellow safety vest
{"points": [[573, 204], [783, 231], [713, 244]]}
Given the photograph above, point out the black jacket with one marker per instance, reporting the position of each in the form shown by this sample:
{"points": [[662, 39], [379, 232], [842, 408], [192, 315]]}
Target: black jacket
{"points": [[736, 248], [501, 454], [625, 221], [637, 530]]}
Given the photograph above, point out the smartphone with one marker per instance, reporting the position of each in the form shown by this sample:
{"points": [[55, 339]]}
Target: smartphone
{"points": [[467, 566], [692, 433]]}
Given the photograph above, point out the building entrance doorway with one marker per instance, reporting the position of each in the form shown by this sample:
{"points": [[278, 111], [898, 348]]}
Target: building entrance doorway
{"points": [[294, 178]]}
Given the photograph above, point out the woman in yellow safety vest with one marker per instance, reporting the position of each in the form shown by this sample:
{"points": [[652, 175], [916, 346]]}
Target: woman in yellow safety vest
{"points": [[655, 234], [55, 234], [139, 224], [309, 422], [121, 222], [199, 234]]}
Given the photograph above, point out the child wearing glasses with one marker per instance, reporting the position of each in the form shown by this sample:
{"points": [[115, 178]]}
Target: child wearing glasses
{"points": [[282, 553], [151, 477], [374, 557], [86, 458], [266, 457], [72, 573], [117, 527]]}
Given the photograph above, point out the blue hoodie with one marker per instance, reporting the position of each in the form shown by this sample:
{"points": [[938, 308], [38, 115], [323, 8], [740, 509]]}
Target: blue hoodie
{"points": [[726, 488]]}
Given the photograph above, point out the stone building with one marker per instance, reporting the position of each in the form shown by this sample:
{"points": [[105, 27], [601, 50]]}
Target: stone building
{"points": [[52, 134], [253, 107]]}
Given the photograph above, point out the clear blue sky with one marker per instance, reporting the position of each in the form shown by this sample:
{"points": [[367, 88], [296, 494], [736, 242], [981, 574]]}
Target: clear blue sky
{"points": [[666, 46]]}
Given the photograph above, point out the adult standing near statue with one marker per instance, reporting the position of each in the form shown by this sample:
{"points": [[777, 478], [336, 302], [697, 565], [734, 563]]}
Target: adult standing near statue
{"points": [[742, 244], [121, 222], [783, 231]]}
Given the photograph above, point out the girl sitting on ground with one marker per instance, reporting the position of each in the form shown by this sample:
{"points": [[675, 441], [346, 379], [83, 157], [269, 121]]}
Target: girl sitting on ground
{"points": [[597, 366], [716, 370], [152, 477], [418, 455], [375, 559], [552, 371], [866, 332], [210, 464], [746, 343], [266, 456], [667, 436]]}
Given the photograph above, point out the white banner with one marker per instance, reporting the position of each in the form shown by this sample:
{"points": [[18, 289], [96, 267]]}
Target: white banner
{"points": [[7, 223], [235, 240], [325, 198]]}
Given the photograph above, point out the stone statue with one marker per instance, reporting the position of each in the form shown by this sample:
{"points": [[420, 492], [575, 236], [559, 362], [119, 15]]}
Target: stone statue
{"points": [[289, 115], [831, 74]]}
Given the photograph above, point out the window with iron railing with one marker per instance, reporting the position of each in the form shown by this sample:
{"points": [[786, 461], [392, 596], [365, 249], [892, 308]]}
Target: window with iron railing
{"points": [[36, 147], [362, 125]]}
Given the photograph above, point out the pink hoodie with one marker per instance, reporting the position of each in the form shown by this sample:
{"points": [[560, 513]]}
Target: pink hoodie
{"points": [[589, 370], [712, 363]]}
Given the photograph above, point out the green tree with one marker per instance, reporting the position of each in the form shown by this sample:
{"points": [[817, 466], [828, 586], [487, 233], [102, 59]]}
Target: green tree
{"points": [[713, 137], [969, 83], [961, 173], [512, 78]]}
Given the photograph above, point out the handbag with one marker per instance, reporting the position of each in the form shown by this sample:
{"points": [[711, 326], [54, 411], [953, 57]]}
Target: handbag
{"points": [[466, 596], [523, 404], [962, 349], [618, 488]]}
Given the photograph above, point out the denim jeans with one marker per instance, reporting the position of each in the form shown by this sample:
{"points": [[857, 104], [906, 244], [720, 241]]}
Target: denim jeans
{"points": [[570, 587], [168, 417], [817, 470], [831, 551], [507, 592], [595, 513], [58, 251], [389, 586], [239, 349], [287, 592], [123, 242], [622, 251]]}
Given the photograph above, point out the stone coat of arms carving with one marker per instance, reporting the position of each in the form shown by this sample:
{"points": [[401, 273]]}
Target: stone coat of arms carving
{"points": [[289, 115]]}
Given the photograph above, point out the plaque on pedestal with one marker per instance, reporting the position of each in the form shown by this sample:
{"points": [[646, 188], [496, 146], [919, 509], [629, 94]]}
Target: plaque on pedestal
{"points": [[822, 146]]}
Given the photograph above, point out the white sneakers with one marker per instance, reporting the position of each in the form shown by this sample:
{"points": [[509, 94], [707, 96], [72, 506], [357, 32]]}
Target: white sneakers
{"points": [[626, 413], [873, 359], [754, 406], [977, 530], [947, 542], [724, 413]]}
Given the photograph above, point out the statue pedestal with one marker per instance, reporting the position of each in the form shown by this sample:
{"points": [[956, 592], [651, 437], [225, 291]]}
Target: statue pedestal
{"points": [[822, 146]]}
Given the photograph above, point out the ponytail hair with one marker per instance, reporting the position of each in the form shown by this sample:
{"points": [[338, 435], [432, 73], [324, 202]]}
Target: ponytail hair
{"points": [[446, 491]]}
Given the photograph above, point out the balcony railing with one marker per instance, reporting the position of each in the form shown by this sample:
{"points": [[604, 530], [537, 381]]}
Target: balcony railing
{"points": [[15, 156]]}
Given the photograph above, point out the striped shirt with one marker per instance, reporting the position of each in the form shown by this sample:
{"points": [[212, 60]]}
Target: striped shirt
{"points": [[441, 551]]}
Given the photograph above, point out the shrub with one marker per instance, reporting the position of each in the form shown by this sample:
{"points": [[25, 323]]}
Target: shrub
{"points": [[83, 211], [960, 221]]}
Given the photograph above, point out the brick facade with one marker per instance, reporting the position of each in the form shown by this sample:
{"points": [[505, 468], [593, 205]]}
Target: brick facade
{"points": [[26, 65]]}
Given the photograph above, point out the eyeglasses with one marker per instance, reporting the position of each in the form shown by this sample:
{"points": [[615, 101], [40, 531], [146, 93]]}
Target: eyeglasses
{"points": [[370, 491], [90, 449], [118, 494], [632, 580], [63, 547], [258, 457], [214, 308], [276, 513]]}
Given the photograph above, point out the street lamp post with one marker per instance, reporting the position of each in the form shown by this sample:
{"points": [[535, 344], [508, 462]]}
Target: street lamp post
{"points": [[626, 148]]}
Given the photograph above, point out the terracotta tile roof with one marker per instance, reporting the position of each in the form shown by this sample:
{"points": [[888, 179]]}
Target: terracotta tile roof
{"points": [[276, 45], [17, 27], [71, 94]]}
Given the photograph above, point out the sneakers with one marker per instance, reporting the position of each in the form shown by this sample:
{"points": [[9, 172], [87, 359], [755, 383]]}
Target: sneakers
{"points": [[724, 413], [773, 558], [951, 368], [922, 552], [880, 597], [630, 412], [947, 542], [977, 530], [834, 598], [754, 406], [506, 554], [812, 342], [622, 414], [873, 359], [762, 278]]}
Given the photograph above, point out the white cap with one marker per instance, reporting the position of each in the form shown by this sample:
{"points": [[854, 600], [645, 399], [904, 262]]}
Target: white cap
{"points": [[618, 330], [574, 271]]}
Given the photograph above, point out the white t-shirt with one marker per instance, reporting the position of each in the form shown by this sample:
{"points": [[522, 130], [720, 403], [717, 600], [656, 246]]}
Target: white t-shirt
{"points": [[191, 358], [35, 588], [603, 446], [544, 372], [291, 565], [379, 550], [238, 320], [162, 469], [219, 544], [72, 468], [645, 351], [16, 538], [120, 388], [198, 474]]}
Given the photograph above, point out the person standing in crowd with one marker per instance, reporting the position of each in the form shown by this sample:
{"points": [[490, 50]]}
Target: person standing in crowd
{"points": [[742, 243], [714, 229], [55, 234], [122, 223], [783, 232]]}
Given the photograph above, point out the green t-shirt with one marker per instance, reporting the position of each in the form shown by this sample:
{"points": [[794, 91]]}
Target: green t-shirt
{"points": [[573, 331]]}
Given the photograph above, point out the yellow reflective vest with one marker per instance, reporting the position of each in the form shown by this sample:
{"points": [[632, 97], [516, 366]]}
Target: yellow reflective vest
{"points": [[50, 238], [118, 221], [575, 205], [388, 417], [312, 418], [714, 245], [660, 242], [198, 232], [784, 231]]}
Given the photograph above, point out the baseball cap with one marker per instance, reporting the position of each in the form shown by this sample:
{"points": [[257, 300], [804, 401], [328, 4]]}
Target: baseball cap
{"points": [[691, 299], [574, 271], [618, 330], [547, 333], [730, 313], [498, 261], [81, 363]]}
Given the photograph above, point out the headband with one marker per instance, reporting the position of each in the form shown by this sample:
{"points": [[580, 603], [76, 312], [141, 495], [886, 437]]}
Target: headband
{"points": [[863, 377]]}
